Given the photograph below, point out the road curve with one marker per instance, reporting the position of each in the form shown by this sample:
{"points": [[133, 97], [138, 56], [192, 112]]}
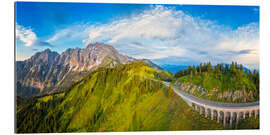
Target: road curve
{"points": [[212, 103]]}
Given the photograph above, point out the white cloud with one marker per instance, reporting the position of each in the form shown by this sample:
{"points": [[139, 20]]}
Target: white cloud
{"points": [[161, 33], [174, 31], [243, 43], [159, 24], [74, 32], [25, 35]]}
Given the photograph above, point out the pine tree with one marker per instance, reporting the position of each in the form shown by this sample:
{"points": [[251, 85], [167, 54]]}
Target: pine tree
{"points": [[209, 67], [226, 68], [241, 68], [183, 71]]}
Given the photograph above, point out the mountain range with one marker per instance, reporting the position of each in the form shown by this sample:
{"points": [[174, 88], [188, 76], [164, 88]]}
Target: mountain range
{"points": [[97, 89], [173, 68], [48, 72]]}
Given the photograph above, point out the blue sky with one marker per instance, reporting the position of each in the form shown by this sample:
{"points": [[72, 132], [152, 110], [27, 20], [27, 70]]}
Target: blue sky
{"points": [[166, 34]]}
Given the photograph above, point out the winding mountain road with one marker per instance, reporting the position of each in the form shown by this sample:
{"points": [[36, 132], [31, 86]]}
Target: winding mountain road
{"points": [[225, 112], [211, 103]]}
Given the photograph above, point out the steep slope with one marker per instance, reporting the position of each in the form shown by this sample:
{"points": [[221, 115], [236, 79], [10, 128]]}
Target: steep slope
{"points": [[48, 70], [123, 98]]}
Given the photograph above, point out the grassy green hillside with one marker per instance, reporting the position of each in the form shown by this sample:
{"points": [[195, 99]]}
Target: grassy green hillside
{"points": [[220, 83], [123, 98]]}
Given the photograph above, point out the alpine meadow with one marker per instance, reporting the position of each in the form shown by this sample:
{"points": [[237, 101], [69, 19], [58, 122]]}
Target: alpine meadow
{"points": [[102, 67]]}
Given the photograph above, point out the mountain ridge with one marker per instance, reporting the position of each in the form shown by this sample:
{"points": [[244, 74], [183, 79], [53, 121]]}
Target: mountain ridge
{"points": [[48, 71]]}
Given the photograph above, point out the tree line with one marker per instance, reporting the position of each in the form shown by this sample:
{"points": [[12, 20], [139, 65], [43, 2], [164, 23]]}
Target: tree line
{"points": [[234, 68]]}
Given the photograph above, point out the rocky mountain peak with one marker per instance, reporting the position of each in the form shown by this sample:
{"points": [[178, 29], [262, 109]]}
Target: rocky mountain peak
{"points": [[97, 44], [49, 70], [48, 50], [46, 56], [101, 46]]}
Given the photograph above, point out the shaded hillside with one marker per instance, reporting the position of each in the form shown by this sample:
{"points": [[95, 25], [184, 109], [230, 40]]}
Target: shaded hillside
{"points": [[123, 98], [225, 83]]}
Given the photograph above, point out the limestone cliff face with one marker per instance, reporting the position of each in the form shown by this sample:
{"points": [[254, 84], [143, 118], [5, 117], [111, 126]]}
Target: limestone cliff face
{"points": [[47, 70]]}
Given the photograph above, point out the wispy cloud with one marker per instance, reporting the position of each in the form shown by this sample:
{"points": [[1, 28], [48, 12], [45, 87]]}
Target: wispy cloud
{"points": [[244, 42], [71, 33], [29, 38], [25, 35], [34, 49], [165, 34], [45, 44], [159, 24], [238, 52]]}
